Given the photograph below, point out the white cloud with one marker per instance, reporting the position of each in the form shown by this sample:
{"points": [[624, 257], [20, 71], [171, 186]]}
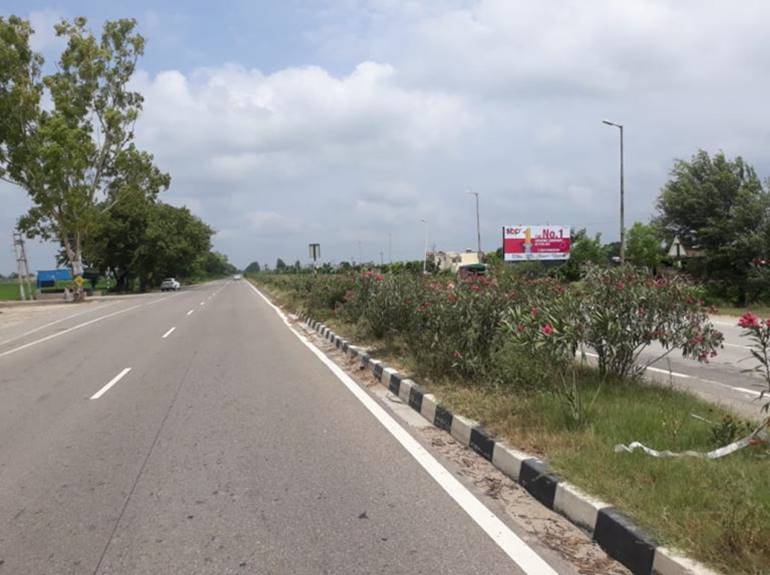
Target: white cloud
{"points": [[44, 39], [417, 101], [272, 223]]}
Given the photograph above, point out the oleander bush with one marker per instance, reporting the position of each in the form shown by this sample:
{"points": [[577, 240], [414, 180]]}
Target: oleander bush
{"points": [[470, 327]]}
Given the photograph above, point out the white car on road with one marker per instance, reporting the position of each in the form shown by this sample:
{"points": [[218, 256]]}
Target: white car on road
{"points": [[170, 284]]}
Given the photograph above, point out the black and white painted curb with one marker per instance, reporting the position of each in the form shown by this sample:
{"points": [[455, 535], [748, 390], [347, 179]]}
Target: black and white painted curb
{"points": [[613, 531]]}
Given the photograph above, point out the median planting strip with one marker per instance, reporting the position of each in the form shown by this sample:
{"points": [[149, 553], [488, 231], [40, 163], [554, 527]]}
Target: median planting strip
{"points": [[615, 532]]}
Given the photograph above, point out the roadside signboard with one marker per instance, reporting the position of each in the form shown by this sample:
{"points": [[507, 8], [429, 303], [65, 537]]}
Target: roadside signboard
{"points": [[522, 243]]}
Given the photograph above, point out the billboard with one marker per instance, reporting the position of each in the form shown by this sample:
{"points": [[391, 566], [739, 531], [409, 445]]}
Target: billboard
{"points": [[522, 243]]}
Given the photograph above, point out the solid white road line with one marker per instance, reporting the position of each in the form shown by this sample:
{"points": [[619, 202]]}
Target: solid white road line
{"points": [[513, 546], [695, 377], [169, 332], [190, 312], [78, 326], [671, 373], [37, 329], [745, 390], [69, 329], [112, 382]]}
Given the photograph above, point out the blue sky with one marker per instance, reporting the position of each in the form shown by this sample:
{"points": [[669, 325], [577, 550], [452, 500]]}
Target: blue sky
{"points": [[345, 121]]}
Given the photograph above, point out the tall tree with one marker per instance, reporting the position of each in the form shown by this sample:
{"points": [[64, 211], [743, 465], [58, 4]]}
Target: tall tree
{"points": [[585, 250], [280, 265], [67, 155], [719, 206], [173, 242], [643, 246], [121, 224], [252, 268]]}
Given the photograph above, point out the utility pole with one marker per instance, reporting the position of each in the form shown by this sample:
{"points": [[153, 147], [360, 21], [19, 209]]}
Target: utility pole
{"points": [[390, 252], [22, 267], [425, 251], [478, 225], [622, 226]]}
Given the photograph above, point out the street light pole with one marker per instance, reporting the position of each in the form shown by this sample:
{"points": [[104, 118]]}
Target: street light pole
{"points": [[478, 225], [622, 226], [425, 251]]}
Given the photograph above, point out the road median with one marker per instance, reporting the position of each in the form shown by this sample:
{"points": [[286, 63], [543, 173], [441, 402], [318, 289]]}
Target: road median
{"points": [[713, 511]]}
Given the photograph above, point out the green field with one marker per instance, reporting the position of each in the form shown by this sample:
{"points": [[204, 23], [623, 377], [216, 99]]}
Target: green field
{"points": [[9, 291]]}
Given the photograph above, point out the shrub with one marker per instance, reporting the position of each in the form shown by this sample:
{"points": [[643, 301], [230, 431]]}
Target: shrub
{"points": [[455, 325], [617, 313]]}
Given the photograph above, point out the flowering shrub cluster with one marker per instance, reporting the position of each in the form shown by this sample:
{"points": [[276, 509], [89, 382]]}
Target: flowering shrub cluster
{"points": [[469, 326], [616, 314], [759, 331]]}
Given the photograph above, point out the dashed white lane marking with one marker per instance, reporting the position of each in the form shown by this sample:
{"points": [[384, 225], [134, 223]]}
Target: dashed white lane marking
{"points": [[112, 382], [169, 332], [513, 546], [190, 312], [203, 302]]}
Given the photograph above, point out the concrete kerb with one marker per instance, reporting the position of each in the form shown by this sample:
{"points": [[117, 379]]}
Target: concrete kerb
{"points": [[405, 390], [669, 562], [614, 532], [461, 429], [579, 507]]}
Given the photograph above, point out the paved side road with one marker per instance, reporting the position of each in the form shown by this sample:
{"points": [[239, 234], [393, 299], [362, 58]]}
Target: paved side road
{"points": [[194, 433]]}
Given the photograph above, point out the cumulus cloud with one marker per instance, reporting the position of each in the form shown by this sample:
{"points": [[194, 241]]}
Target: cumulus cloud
{"points": [[393, 109], [297, 144]]}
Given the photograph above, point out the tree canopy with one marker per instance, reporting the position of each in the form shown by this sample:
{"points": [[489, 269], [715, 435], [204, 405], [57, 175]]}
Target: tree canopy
{"points": [[720, 207], [643, 246], [66, 137]]}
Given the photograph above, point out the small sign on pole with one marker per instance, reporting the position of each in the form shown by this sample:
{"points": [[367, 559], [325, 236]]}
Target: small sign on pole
{"points": [[315, 252]]}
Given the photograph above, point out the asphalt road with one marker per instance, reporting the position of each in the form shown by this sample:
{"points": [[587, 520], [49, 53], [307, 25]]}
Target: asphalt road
{"points": [[223, 445]]}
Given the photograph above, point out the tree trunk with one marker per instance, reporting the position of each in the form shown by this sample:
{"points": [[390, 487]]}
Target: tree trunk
{"points": [[75, 259]]}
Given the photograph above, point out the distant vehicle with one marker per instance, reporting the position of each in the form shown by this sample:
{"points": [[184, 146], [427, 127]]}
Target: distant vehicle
{"points": [[237, 276], [472, 270], [170, 284]]}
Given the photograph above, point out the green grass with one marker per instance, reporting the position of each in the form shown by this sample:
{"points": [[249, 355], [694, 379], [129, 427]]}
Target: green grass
{"points": [[9, 291], [716, 511]]}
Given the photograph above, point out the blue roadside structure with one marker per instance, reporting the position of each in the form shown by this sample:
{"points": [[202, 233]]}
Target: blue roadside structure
{"points": [[48, 278]]}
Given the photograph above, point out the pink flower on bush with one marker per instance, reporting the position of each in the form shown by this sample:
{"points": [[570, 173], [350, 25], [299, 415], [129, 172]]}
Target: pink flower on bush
{"points": [[534, 312], [457, 355], [547, 329], [748, 320], [621, 285], [519, 328]]}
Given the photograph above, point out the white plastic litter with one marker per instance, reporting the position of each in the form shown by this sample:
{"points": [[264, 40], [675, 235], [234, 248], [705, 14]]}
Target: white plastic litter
{"points": [[759, 435]]}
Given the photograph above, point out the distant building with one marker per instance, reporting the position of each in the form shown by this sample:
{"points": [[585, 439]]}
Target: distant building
{"points": [[452, 261], [679, 251]]}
